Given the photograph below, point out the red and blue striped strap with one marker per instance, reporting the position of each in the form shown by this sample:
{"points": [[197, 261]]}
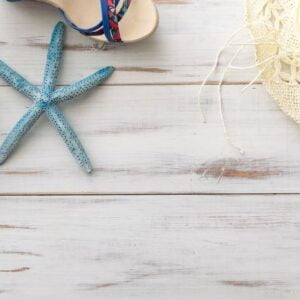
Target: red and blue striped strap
{"points": [[109, 25]]}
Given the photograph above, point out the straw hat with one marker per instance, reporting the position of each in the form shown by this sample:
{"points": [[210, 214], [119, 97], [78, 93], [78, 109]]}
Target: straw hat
{"points": [[275, 26]]}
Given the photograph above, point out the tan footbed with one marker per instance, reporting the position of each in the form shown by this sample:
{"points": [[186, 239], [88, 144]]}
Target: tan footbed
{"points": [[140, 21]]}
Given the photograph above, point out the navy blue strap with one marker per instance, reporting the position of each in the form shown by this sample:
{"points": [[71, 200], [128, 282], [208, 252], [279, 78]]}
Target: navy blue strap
{"points": [[109, 23], [106, 20], [83, 30]]}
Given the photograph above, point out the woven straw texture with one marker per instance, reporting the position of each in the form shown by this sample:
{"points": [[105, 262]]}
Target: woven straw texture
{"points": [[274, 25]]}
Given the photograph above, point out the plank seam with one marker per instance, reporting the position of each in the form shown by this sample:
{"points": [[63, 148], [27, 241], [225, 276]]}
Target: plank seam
{"points": [[141, 194], [211, 83]]}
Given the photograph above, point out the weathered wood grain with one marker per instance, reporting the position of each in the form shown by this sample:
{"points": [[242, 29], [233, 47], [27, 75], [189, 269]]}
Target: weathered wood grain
{"points": [[152, 140], [144, 131], [181, 52], [144, 134], [167, 247]]}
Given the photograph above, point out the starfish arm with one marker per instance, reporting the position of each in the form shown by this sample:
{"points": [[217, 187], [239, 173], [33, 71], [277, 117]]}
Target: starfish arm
{"points": [[54, 59], [76, 89], [19, 83], [19, 131], [59, 121], [56, 117]]}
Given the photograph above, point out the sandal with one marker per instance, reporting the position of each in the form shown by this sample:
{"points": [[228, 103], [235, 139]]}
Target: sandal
{"points": [[120, 20]]}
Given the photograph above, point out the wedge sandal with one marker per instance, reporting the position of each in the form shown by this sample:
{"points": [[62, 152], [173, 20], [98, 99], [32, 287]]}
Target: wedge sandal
{"points": [[113, 21]]}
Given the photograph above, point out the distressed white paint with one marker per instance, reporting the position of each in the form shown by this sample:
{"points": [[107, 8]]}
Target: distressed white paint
{"points": [[182, 50], [145, 136], [141, 138], [151, 140], [150, 247]]}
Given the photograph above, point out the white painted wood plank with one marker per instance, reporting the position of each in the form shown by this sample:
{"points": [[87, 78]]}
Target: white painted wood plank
{"points": [[182, 51], [167, 247], [151, 140]]}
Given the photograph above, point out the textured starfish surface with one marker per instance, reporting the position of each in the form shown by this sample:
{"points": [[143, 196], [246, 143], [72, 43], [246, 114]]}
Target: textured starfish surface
{"points": [[46, 98]]}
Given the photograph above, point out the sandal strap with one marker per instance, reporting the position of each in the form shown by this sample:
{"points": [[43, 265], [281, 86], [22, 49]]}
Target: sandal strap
{"points": [[109, 25], [83, 30], [110, 21]]}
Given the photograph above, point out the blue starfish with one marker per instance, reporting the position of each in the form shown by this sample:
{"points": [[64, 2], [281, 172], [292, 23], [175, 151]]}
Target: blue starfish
{"points": [[46, 99]]}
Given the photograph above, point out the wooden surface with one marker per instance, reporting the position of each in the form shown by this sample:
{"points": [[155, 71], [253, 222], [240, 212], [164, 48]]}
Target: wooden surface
{"points": [[171, 211], [150, 247]]}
